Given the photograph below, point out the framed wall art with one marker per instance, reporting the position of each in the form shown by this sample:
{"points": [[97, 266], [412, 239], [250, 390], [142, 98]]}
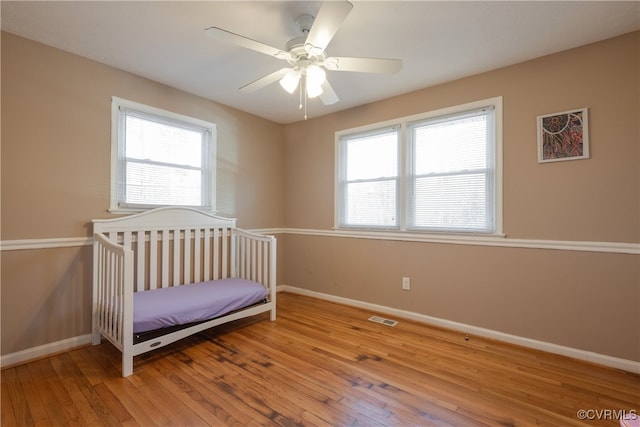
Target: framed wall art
{"points": [[563, 136]]}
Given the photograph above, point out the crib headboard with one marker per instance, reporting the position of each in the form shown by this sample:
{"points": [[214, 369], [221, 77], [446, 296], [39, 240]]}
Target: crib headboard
{"points": [[173, 245], [162, 218]]}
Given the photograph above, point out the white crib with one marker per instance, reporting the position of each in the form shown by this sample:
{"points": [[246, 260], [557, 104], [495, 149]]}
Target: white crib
{"points": [[170, 247]]}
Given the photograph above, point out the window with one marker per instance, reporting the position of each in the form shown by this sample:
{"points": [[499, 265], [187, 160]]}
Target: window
{"points": [[160, 158], [371, 181], [435, 172]]}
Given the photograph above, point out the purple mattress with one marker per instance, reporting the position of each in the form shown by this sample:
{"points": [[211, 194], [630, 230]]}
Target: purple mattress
{"points": [[161, 308]]}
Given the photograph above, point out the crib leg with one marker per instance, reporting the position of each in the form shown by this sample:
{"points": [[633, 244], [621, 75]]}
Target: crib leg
{"points": [[95, 336], [127, 365]]}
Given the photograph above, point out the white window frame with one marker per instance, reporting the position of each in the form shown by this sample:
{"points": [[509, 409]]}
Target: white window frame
{"points": [[208, 189], [342, 173], [404, 190]]}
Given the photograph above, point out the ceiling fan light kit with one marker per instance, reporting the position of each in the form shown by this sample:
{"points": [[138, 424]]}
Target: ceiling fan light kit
{"points": [[313, 91], [314, 77], [306, 55], [290, 80]]}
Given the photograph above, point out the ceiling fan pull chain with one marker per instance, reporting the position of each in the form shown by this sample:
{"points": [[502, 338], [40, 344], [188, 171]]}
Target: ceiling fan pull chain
{"points": [[303, 88], [300, 104]]}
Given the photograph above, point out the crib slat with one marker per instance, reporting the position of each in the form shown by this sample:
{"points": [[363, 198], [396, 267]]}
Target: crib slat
{"points": [[254, 260], [248, 247], [251, 252], [236, 250], [176, 257], [265, 262], [165, 258], [126, 239], [186, 258], [244, 251], [225, 237], [110, 291], [116, 291], [140, 255], [259, 262], [196, 269], [197, 263], [216, 253], [247, 260], [103, 287], [206, 256], [118, 313], [247, 257], [153, 259]]}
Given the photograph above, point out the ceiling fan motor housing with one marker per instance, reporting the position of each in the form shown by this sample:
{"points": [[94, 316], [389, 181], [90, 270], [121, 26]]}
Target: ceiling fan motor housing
{"points": [[295, 46]]}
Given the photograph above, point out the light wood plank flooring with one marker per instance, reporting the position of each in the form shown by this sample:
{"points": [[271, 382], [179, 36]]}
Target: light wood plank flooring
{"points": [[319, 364]]}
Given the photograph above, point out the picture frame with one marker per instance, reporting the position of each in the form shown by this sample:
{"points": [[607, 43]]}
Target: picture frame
{"points": [[563, 136]]}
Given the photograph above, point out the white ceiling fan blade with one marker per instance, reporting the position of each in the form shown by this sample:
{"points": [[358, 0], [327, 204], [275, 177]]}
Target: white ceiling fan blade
{"points": [[328, 95], [228, 36], [363, 65], [325, 25], [264, 81]]}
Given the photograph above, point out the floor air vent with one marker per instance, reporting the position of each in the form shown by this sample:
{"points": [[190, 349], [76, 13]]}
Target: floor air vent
{"points": [[382, 320]]}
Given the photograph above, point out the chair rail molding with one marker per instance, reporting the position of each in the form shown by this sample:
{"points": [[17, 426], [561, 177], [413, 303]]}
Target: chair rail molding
{"points": [[499, 241]]}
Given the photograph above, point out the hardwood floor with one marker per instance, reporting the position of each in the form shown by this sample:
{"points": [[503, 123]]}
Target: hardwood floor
{"points": [[319, 364]]}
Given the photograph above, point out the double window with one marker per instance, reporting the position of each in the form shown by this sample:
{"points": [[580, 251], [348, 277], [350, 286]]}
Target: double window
{"points": [[160, 158], [435, 172]]}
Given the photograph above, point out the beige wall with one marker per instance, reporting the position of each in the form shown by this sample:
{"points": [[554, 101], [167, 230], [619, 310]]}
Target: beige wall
{"points": [[56, 117], [46, 296], [588, 200], [55, 179], [589, 301]]}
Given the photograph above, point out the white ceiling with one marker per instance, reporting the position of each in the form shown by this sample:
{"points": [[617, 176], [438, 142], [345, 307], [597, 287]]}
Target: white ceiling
{"points": [[438, 41]]}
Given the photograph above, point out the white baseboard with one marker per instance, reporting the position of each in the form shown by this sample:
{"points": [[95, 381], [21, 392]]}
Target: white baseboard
{"points": [[43, 350], [600, 359]]}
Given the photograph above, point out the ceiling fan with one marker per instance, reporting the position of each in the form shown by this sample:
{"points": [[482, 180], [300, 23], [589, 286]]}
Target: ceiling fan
{"points": [[307, 57]]}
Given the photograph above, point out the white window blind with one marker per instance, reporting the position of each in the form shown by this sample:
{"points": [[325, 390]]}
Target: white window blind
{"points": [[162, 159], [369, 179], [451, 175]]}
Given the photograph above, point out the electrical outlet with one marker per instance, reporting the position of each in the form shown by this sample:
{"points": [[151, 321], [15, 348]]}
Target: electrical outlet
{"points": [[406, 283]]}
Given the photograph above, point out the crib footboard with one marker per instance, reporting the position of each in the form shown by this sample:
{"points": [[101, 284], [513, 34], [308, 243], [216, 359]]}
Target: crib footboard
{"points": [[255, 259], [113, 296]]}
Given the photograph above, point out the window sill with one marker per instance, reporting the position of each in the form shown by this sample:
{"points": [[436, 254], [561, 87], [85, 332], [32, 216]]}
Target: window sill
{"points": [[418, 236]]}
